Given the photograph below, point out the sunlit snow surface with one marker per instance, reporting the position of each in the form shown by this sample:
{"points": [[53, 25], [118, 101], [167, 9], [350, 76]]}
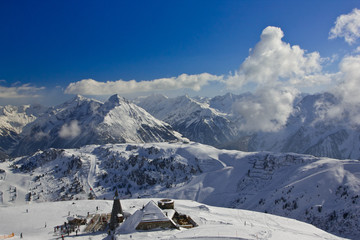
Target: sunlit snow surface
{"points": [[214, 222], [320, 191]]}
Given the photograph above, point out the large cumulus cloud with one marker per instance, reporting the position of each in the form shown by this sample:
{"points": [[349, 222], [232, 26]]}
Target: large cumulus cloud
{"points": [[273, 60], [276, 69]]}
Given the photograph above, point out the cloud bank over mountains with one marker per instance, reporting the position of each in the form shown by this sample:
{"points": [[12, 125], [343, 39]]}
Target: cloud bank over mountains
{"points": [[270, 62], [93, 87], [22, 91], [347, 91], [275, 70]]}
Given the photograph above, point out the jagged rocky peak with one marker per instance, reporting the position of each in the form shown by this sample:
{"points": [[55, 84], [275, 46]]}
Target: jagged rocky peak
{"points": [[76, 100], [119, 104], [9, 109], [35, 110], [75, 108], [115, 100]]}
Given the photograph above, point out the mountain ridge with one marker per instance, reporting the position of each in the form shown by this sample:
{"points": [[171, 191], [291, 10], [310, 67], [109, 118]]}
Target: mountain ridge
{"points": [[307, 130], [81, 121]]}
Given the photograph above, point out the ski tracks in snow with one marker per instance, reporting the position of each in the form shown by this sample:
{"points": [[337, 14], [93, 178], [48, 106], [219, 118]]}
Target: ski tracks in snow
{"points": [[91, 174]]}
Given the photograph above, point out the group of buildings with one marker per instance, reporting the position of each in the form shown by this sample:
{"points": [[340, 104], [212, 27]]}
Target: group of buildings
{"points": [[160, 215]]}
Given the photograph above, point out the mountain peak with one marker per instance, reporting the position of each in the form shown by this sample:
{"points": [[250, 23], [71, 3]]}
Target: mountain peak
{"points": [[116, 99], [78, 98]]}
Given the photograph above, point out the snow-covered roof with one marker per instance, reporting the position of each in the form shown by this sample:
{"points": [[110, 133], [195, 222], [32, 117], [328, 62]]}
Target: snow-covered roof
{"points": [[150, 213]]}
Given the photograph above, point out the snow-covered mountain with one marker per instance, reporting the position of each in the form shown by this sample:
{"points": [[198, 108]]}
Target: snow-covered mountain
{"points": [[194, 119], [320, 191], [213, 121], [83, 121], [12, 121], [308, 131]]}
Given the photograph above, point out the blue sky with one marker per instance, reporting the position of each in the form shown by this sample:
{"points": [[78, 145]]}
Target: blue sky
{"points": [[47, 45]]}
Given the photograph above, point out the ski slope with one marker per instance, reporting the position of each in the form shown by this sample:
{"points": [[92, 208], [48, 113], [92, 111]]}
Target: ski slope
{"points": [[37, 221]]}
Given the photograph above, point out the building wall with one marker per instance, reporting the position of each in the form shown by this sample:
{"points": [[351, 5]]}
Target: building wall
{"points": [[153, 225]]}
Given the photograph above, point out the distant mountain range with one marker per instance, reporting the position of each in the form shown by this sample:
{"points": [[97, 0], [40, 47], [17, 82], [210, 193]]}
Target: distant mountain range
{"points": [[212, 121], [80, 122], [196, 120], [12, 121], [157, 118]]}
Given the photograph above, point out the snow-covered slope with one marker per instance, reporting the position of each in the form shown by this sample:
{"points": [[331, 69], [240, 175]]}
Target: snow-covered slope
{"points": [[308, 131], [194, 119], [83, 121], [320, 191], [36, 221], [212, 121], [12, 121]]}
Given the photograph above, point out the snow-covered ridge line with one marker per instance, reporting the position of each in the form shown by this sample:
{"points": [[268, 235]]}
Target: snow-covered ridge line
{"points": [[215, 121], [321, 191], [83, 121]]}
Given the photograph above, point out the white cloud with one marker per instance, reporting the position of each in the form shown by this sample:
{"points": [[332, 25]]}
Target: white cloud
{"points": [[93, 87], [23, 91], [273, 61], [347, 92], [71, 130], [267, 109], [357, 50], [275, 69], [40, 135], [347, 26]]}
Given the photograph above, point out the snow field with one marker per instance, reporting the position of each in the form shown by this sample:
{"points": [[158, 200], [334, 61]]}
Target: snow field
{"points": [[214, 222]]}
